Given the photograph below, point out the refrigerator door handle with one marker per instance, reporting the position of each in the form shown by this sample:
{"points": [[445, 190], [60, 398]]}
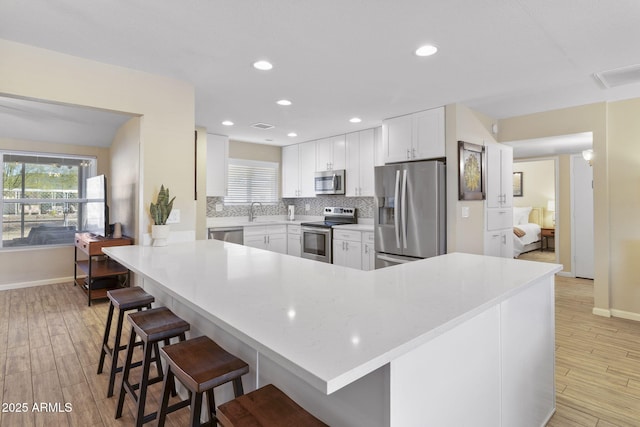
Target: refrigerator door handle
{"points": [[396, 217], [393, 259], [403, 208]]}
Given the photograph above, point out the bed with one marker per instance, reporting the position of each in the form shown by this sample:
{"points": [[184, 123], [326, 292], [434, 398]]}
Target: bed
{"points": [[527, 224]]}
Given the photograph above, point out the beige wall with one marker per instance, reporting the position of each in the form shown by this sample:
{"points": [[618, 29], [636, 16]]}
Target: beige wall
{"points": [[623, 158], [539, 178], [123, 177], [464, 234], [587, 118], [201, 186], [53, 264], [166, 107]]}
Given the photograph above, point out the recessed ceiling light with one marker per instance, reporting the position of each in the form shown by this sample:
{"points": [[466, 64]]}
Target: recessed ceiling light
{"points": [[355, 120], [284, 102], [426, 50], [262, 65], [227, 123], [292, 134]]}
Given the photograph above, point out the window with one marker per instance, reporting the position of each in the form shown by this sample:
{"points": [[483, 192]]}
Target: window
{"points": [[42, 197], [252, 181]]}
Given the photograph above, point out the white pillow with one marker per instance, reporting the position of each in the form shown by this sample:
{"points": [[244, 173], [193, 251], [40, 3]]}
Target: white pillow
{"points": [[521, 215]]}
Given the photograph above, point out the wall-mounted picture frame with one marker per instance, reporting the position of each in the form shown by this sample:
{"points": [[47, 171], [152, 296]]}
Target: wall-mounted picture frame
{"points": [[471, 181], [517, 184]]}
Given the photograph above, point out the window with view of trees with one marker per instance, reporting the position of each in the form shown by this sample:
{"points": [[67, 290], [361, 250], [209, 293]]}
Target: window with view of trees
{"points": [[42, 197]]}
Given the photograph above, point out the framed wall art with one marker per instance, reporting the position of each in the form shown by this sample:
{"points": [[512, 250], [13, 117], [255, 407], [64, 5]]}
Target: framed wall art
{"points": [[517, 184], [472, 171]]}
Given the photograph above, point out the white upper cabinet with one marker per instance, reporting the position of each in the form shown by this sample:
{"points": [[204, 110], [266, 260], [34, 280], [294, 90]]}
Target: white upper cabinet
{"points": [[330, 153], [499, 175], [307, 157], [217, 160], [360, 163], [298, 170], [290, 171], [415, 136]]}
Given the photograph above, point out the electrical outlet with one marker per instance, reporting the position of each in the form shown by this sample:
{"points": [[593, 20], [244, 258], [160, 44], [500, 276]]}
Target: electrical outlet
{"points": [[218, 207], [174, 217], [307, 207]]}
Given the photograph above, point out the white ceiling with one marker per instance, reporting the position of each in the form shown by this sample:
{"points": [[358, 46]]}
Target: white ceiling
{"points": [[335, 59]]}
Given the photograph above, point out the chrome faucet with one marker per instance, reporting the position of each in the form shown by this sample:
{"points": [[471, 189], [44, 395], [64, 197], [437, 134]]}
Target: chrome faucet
{"points": [[252, 215]]}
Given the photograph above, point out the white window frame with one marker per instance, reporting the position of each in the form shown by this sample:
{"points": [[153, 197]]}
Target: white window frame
{"points": [[252, 191], [89, 172]]}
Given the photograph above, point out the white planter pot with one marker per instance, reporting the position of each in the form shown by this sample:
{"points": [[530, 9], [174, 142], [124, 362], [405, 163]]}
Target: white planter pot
{"points": [[160, 235]]}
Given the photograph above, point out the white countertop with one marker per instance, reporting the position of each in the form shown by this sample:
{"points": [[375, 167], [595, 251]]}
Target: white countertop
{"points": [[337, 324]]}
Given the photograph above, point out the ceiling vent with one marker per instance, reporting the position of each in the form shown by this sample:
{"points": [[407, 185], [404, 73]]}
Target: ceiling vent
{"points": [[619, 76], [263, 126]]}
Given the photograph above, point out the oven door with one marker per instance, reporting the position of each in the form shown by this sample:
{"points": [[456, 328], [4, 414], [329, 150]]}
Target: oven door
{"points": [[316, 243]]}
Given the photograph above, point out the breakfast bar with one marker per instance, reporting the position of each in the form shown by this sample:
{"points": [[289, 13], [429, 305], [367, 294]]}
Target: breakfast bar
{"points": [[458, 339]]}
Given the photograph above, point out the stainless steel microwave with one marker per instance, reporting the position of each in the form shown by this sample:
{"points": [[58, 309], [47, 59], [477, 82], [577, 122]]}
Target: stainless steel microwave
{"points": [[330, 182]]}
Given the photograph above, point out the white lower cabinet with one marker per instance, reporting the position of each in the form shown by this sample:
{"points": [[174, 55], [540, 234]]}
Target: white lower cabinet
{"points": [[368, 252], [347, 248], [268, 237], [294, 244]]}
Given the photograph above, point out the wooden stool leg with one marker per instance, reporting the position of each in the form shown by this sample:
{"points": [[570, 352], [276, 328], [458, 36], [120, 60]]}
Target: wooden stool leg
{"points": [[105, 339], [125, 373], [196, 409], [167, 385], [144, 382], [211, 400], [237, 387], [114, 354]]}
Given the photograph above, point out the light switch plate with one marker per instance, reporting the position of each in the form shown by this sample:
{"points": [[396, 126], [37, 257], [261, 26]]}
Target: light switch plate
{"points": [[218, 207], [465, 212], [174, 217]]}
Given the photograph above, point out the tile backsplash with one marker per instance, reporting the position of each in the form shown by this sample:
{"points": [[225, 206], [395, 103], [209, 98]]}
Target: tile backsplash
{"points": [[364, 206]]}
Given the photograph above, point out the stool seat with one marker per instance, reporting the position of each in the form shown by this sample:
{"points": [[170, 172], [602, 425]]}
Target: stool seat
{"points": [[124, 299], [201, 364], [157, 324], [266, 406], [129, 298]]}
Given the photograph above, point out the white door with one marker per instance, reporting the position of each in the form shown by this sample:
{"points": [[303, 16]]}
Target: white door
{"points": [[582, 183]]}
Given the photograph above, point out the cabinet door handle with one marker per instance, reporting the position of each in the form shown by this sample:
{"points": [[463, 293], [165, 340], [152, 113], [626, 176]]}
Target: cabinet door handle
{"points": [[413, 153], [408, 154]]}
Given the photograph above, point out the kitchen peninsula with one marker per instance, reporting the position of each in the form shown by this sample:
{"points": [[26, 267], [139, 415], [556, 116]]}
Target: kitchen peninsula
{"points": [[458, 339]]}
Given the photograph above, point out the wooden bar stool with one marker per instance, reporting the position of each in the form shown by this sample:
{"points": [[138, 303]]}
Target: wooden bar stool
{"points": [[200, 365], [266, 406], [134, 298], [152, 326]]}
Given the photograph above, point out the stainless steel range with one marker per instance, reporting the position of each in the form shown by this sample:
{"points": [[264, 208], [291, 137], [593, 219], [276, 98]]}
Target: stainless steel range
{"points": [[317, 236]]}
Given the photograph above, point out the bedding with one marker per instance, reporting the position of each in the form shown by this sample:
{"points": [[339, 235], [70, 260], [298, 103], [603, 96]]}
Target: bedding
{"points": [[529, 241]]}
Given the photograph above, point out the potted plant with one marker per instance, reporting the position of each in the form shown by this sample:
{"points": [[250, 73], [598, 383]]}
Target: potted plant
{"points": [[159, 214]]}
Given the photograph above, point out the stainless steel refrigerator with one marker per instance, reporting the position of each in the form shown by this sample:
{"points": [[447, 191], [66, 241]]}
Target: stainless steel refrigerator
{"points": [[410, 212]]}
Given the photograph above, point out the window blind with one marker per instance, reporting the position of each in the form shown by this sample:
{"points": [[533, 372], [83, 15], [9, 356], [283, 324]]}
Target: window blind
{"points": [[251, 181]]}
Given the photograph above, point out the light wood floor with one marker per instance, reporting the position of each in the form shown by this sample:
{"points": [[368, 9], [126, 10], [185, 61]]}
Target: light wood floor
{"points": [[50, 342], [49, 350]]}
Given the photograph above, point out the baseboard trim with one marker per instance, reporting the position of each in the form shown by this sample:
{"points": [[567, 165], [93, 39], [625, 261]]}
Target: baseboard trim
{"points": [[36, 283], [625, 314], [565, 274], [601, 312]]}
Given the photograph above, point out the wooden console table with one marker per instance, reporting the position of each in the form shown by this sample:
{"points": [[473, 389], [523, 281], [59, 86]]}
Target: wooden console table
{"points": [[101, 273]]}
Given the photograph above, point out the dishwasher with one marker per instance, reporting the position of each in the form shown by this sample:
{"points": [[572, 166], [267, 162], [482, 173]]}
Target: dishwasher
{"points": [[227, 234]]}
